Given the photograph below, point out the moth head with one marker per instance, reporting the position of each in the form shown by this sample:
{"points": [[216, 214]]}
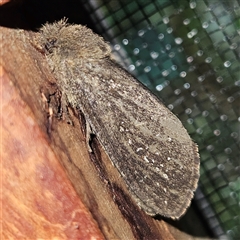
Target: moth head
{"points": [[72, 41], [50, 44], [50, 35]]}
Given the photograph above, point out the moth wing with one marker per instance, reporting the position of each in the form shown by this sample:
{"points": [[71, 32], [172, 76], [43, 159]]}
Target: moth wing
{"points": [[145, 141]]}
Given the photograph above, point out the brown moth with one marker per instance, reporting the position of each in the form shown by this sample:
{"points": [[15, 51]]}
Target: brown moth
{"points": [[145, 141]]}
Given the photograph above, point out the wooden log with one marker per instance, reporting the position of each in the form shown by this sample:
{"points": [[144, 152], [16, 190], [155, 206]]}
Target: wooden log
{"points": [[38, 199]]}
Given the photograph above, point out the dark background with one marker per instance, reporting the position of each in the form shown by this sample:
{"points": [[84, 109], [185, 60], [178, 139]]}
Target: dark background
{"points": [[206, 100]]}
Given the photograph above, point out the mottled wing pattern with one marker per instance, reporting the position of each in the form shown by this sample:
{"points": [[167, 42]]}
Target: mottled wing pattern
{"points": [[145, 141]]}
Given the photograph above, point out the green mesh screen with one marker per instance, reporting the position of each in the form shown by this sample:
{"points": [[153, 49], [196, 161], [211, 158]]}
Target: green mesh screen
{"points": [[187, 53]]}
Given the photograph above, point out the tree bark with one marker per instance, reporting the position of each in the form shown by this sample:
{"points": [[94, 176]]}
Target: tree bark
{"points": [[38, 199]]}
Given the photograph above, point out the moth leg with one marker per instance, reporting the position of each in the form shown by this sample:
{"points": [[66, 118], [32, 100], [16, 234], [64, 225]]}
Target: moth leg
{"points": [[35, 43], [63, 112], [86, 128], [88, 136], [50, 112]]}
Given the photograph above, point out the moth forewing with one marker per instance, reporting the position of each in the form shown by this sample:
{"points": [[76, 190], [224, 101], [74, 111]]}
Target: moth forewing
{"points": [[146, 142]]}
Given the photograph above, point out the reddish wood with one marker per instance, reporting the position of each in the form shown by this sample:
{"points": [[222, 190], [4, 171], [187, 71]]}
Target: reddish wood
{"points": [[38, 199], [4, 1]]}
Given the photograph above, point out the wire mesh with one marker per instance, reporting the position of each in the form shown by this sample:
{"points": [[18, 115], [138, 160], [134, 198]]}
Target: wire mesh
{"points": [[187, 53]]}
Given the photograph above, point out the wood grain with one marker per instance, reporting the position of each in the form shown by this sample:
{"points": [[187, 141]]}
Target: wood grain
{"points": [[38, 199]]}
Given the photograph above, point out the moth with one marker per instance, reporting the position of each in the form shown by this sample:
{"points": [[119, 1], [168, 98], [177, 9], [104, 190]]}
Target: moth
{"points": [[145, 141]]}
